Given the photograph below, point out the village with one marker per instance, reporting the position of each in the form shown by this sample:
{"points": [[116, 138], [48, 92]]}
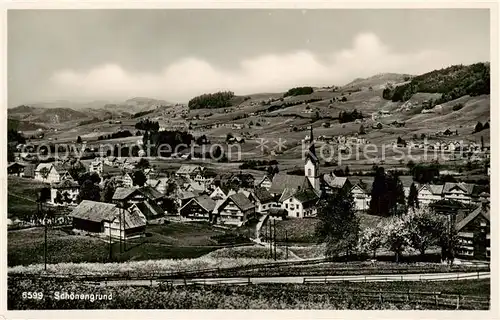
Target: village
{"points": [[142, 195]]}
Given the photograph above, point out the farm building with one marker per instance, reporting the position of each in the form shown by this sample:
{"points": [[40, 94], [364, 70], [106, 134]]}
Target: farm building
{"points": [[107, 220], [51, 173], [29, 171], [361, 193], [235, 210], [189, 171], [264, 182]]}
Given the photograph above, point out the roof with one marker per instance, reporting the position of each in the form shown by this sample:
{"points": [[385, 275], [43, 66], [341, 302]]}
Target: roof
{"points": [[436, 189], [468, 188], [183, 194], [283, 180], [95, 211], [241, 201], [132, 219], [188, 169], [263, 195], [16, 164], [306, 196], [151, 193], [149, 209], [123, 193], [205, 202], [258, 181], [485, 211], [66, 184], [196, 186], [334, 181], [287, 193], [44, 165]]}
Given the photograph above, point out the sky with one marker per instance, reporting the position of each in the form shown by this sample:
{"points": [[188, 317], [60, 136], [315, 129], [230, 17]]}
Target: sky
{"points": [[174, 55]]}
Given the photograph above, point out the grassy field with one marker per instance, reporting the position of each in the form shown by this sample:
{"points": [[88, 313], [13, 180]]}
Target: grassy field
{"points": [[171, 241], [357, 296], [303, 230], [22, 194]]}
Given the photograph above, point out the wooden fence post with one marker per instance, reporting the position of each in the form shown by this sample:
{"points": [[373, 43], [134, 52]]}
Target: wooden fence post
{"points": [[458, 302], [380, 296], [436, 298]]}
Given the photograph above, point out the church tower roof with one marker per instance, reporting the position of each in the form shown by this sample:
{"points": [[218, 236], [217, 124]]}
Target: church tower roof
{"points": [[311, 153]]}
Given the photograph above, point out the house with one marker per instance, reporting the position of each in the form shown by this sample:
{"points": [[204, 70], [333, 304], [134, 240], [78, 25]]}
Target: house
{"points": [[463, 192], [332, 183], [189, 171], [265, 182], [361, 193], [377, 125], [159, 184], [127, 180], [221, 193], [262, 199], [199, 208], [64, 193], [16, 169], [149, 209], [194, 186], [29, 171], [236, 210], [302, 204], [97, 166], [107, 220], [282, 181], [51, 173], [429, 193], [110, 161], [182, 197], [277, 213], [474, 234], [126, 196]]}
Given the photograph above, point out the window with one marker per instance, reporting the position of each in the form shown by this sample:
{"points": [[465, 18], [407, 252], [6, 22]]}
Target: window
{"points": [[286, 205], [309, 172], [297, 214]]}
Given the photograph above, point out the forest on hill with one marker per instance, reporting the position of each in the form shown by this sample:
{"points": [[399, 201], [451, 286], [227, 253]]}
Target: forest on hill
{"points": [[452, 82]]}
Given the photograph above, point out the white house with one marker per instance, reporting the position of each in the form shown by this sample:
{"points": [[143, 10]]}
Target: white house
{"points": [[362, 195], [302, 204], [51, 173], [265, 183], [96, 166], [126, 180]]}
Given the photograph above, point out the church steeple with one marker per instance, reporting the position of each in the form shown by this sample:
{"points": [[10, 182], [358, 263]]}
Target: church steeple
{"points": [[311, 154], [311, 167]]}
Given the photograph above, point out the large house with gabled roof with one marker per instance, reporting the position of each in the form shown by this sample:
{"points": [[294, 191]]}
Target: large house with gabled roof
{"points": [[235, 210], [51, 173], [301, 204]]}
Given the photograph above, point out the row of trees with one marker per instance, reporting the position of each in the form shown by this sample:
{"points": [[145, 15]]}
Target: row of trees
{"points": [[220, 99], [480, 127], [346, 116], [116, 135], [297, 91], [173, 139], [147, 125], [387, 195]]}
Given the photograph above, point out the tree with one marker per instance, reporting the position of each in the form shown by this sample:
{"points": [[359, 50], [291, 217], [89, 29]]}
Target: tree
{"points": [[229, 136], [479, 127], [109, 191], [79, 139], [387, 196], [378, 205], [338, 225], [139, 178], [346, 171], [413, 197], [89, 191], [424, 229], [486, 126], [344, 99], [142, 164], [396, 235], [371, 240], [138, 133], [44, 173], [92, 176], [361, 130]]}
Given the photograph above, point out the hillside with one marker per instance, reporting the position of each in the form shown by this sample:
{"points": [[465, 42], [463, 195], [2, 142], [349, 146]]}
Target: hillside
{"points": [[45, 115], [377, 81], [452, 82]]}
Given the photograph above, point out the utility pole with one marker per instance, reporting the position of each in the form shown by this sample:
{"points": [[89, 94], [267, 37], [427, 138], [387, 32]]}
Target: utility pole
{"points": [[110, 248], [286, 244], [270, 240], [274, 240]]}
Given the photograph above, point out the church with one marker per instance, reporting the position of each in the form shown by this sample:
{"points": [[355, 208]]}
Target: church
{"points": [[299, 195]]}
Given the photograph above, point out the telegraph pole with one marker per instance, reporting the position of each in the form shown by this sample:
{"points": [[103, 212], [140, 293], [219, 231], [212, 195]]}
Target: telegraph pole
{"points": [[274, 239], [286, 244], [270, 240], [110, 248]]}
